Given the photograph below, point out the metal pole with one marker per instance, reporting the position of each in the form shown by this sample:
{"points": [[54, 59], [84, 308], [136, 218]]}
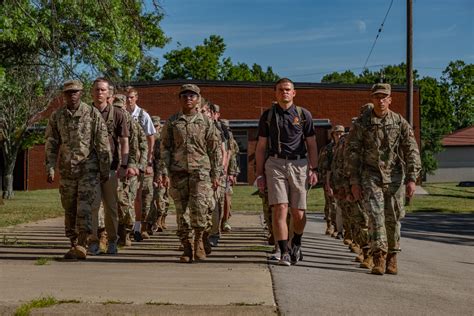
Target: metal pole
{"points": [[409, 73]]}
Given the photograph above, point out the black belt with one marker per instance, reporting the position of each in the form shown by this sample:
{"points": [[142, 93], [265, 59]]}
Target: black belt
{"points": [[289, 157]]}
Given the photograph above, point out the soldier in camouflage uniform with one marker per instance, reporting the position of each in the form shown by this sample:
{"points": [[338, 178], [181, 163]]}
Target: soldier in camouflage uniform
{"points": [[384, 163], [77, 138], [333, 179], [189, 165], [233, 171], [128, 185], [324, 166], [160, 204], [219, 194]]}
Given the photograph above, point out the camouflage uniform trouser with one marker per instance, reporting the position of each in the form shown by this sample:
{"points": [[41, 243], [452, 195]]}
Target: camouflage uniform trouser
{"points": [[385, 206], [146, 185], [359, 224], [329, 209], [267, 210], [126, 199], [191, 193], [159, 205], [77, 197], [218, 211]]}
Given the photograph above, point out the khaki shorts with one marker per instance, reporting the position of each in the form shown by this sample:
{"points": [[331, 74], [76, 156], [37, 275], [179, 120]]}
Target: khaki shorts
{"points": [[286, 181]]}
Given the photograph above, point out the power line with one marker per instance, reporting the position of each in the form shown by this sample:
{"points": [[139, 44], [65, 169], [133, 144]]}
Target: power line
{"points": [[378, 33]]}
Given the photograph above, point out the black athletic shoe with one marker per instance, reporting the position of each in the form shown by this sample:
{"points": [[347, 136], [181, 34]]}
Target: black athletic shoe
{"points": [[137, 236], [296, 254]]}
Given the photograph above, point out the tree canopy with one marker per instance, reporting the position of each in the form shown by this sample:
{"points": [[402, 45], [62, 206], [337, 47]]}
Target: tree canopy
{"points": [[206, 62], [42, 43]]}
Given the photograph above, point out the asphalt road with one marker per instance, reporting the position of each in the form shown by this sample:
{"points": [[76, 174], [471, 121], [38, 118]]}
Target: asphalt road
{"points": [[436, 273]]}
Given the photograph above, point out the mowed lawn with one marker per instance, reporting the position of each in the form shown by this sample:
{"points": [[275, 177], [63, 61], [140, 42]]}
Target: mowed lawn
{"points": [[36, 205]]}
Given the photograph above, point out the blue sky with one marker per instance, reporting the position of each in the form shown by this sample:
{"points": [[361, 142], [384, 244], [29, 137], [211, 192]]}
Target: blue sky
{"points": [[306, 39]]}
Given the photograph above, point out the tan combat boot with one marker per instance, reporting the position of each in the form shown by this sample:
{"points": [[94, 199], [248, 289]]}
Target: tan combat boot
{"points": [[187, 256], [81, 248], [367, 263], [379, 263], [163, 222], [359, 257], [207, 244], [391, 263], [329, 228], [144, 231], [199, 252], [157, 226], [122, 234], [354, 247], [102, 239]]}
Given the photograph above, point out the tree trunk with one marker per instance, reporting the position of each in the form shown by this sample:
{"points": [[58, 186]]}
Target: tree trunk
{"points": [[8, 186], [9, 160]]}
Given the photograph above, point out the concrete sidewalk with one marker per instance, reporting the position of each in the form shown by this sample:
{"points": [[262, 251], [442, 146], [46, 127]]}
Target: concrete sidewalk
{"points": [[143, 279]]}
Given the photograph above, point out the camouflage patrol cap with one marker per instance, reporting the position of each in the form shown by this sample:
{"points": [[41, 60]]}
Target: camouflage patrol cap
{"points": [[156, 120], [190, 87], [225, 122], [72, 85], [382, 88], [337, 128], [119, 100]]}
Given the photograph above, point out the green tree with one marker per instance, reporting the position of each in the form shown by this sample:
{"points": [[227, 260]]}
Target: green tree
{"points": [[53, 40], [206, 62], [436, 118], [459, 79]]}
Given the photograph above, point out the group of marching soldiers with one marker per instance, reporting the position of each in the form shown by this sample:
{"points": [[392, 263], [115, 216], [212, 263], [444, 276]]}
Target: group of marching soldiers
{"points": [[116, 161]]}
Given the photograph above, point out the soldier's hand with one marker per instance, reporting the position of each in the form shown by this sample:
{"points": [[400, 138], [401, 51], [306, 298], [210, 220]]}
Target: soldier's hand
{"points": [[329, 190], [231, 179], [410, 189], [165, 181], [261, 183], [149, 170], [130, 172], [215, 183], [356, 192], [50, 178]]}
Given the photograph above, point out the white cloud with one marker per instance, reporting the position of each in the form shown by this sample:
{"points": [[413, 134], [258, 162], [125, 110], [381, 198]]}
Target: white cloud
{"points": [[361, 26]]}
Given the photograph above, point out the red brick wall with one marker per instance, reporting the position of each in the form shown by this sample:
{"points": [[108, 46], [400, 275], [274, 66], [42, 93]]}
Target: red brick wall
{"points": [[245, 101], [36, 171]]}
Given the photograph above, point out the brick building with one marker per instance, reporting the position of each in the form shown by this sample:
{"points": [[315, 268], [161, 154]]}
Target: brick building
{"points": [[241, 103]]}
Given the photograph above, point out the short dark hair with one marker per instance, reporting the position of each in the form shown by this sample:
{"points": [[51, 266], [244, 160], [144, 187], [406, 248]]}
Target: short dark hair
{"points": [[283, 80]]}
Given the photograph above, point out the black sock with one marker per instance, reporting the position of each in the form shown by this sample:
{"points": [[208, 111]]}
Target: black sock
{"points": [[296, 239], [283, 244]]}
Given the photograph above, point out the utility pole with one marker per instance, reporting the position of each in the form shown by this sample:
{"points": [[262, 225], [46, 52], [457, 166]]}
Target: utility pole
{"points": [[409, 73]]}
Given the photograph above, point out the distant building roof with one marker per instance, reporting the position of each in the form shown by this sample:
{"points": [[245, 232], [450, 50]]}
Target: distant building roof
{"points": [[461, 137]]}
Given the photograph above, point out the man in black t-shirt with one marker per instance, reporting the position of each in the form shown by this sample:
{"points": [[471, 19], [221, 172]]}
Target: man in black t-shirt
{"points": [[286, 136]]}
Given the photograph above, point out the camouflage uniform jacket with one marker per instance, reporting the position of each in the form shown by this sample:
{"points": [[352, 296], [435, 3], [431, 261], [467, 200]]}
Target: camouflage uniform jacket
{"points": [[234, 153], [156, 154], [139, 141], [384, 148], [339, 179], [325, 160], [81, 141], [190, 144]]}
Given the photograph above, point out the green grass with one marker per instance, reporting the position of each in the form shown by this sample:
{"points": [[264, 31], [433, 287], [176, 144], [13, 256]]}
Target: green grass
{"points": [[30, 206], [42, 204], [25, 309], [159, 303], [43, 302], [444, 197], [245, 200], [43, 261]]}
